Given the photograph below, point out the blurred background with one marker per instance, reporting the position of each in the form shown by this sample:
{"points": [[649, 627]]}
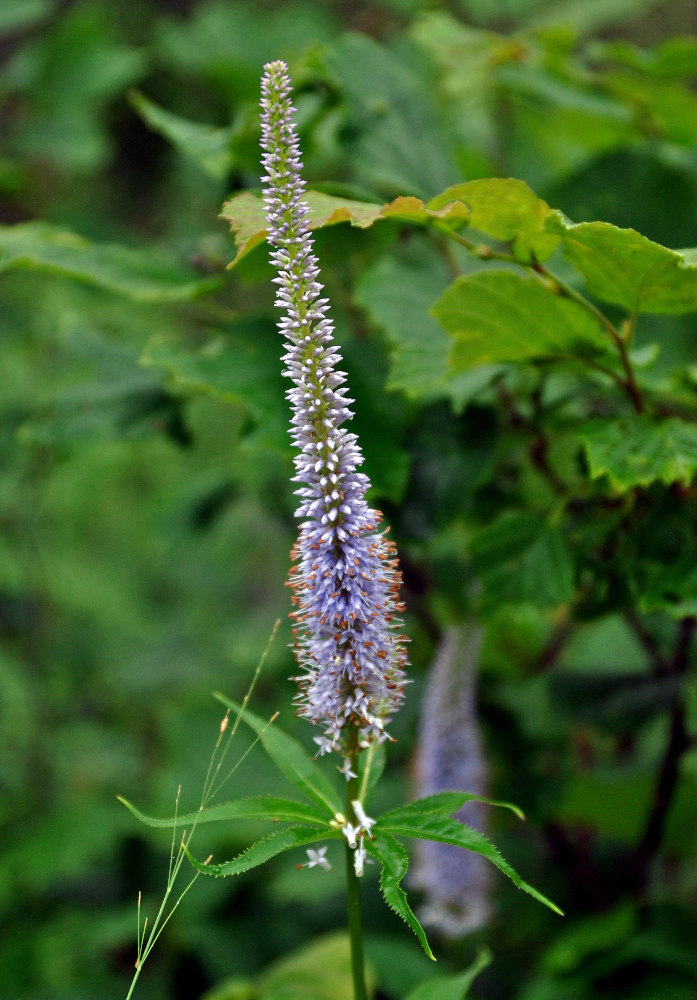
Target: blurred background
{"points": [[146, 513]]}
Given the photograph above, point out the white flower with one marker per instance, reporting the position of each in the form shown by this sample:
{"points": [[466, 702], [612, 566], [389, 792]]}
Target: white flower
{"points": [[316, 858], [345, 769], [360, 858], [365, 823], [350, 833]]}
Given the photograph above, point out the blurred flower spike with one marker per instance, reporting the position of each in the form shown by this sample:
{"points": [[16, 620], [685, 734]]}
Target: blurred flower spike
{"points": [[345, 579]]}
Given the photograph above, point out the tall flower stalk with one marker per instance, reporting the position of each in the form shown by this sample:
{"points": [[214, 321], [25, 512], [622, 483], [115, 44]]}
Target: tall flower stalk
{"points": [[344, 578]]}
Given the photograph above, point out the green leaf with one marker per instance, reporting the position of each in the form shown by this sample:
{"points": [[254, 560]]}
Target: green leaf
{"points": [[290, 758], [264, 850], [246, 215], [238, 364], [394, 860], [371, 765], [205, 144], [390, 103], [521, 558], [266, 807], [443, 804], [139, 274], [452, 987], [623, 267], [451, 831], [320, 970], [497, 316], [506, 209], [638, 450], [397, 295]]}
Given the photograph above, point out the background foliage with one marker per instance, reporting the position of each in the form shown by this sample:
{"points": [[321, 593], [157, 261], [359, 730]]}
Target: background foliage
{"points": [[144, 499]]}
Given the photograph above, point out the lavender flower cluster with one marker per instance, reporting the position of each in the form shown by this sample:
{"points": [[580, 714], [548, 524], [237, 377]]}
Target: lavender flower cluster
{"points": [[345, 580]]}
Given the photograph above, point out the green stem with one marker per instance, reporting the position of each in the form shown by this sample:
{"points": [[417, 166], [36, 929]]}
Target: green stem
{"points": [[353, 893]]}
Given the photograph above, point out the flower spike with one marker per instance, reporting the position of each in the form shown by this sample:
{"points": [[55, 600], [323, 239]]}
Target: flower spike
{"points": [[345, 580]]}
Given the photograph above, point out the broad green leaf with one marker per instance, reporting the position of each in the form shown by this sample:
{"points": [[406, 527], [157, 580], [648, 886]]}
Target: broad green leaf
{"points": [[638, 450], [290, 758], [498, 316], [264, 850], [205, 144], [247, 219], [520, 558], [320, 970], [143, 275], [266, 807], [506, 209], [443, 804], [452, 987], [397, 295], [451, 831], [394, 861], [623, 267]]}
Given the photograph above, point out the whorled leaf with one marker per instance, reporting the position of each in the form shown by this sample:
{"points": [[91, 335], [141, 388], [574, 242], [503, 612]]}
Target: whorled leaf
{"points": [[627, 269], [268, 807], [450, 831], [290, 758], [138, 274], [639, 450], [443, 804], [394, 860], [264, 850]]}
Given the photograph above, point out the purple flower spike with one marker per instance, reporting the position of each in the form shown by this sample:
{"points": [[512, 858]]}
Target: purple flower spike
{"points": [[345, 580], [455, 883]]}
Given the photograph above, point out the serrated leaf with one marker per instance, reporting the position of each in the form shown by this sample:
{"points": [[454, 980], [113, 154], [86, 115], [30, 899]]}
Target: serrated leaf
{"points": [[444, 804], [452, 987], [290, 758], [139, 274], [638, 450], [451, 831], [506, 209], [205, 144], [623, 267], [264, 850], [499, 316], [267, 807], [394, 860]]}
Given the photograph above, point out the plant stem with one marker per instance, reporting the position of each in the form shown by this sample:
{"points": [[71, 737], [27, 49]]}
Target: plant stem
{"points": [[353, 893]]}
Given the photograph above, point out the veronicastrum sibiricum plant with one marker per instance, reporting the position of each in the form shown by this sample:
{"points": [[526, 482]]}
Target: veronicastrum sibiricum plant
{"points": [[345, 583]]}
